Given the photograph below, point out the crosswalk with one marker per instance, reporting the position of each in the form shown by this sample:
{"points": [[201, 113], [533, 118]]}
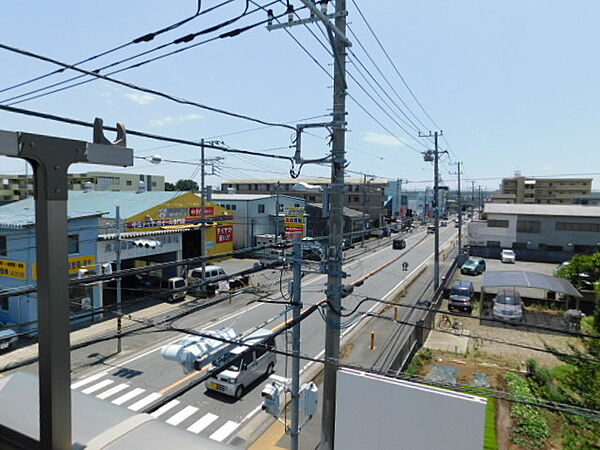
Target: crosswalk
{"points": [[173, 413]]}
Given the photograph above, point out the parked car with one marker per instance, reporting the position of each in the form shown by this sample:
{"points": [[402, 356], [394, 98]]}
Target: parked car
{"points": [[254, 363], [398, 244], [508, 306], [177, 289], [443, 223], [214, 275], [430, 229], [473, 266], [508, 256], [461, 297], [8, 337]]}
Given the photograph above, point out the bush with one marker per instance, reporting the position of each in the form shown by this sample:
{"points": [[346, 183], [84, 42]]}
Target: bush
{"points": [[421, 358]]}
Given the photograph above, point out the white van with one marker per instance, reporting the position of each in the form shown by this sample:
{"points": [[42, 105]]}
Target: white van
{"points": [[255, 362], [213, 273], [178, 285]]}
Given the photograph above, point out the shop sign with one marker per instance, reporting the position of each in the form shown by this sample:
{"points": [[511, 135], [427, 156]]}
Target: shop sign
{"points": [[13, 269]]}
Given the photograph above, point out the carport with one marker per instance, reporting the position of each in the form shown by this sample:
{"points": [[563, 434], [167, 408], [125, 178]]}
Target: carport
{"points": [[523, 279]]}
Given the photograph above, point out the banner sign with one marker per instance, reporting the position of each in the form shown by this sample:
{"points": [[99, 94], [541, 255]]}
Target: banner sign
{"points": [[293, 222], [13, 269], [75, 263], [224, 234]]}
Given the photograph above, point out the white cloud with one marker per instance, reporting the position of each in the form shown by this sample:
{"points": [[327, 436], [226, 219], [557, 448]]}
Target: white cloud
{"points": [[140, 98], [163, 121], [383, 139]]}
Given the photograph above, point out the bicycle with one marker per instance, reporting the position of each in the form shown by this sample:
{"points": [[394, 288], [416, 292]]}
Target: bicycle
{"points": [[446, 323]]}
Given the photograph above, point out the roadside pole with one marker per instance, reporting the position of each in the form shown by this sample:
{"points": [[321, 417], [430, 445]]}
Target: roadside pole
{"points": [[297, 307], [436, 217], [458, 173], [202, 213], [364, 205], [277, 213], [118, 269], [335, 256]]}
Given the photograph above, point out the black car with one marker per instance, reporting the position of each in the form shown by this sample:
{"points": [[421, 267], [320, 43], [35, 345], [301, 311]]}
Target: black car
{"points": [[398, 244]]}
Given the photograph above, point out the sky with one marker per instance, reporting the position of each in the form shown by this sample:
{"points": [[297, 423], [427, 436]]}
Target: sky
{"points": [[512, 84]]}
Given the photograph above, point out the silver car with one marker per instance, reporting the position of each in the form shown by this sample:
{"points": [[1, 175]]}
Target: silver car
{"points": [[508, 306], [255, 362]]}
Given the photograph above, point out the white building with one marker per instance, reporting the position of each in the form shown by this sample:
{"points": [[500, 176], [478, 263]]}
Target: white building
{"points": [[254, 214]]}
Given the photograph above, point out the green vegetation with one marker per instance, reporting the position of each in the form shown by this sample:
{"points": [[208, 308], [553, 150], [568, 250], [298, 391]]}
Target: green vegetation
{"points": [[532, 429], [489, 440], [182, 185], [421, 358]]}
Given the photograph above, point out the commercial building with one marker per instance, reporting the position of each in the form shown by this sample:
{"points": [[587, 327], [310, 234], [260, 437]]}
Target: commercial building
{"points": [[17, 187], [554, 191], [156, 227], [255, 214], [318, 225], [590, 200], [552, 233], [360, 194]]}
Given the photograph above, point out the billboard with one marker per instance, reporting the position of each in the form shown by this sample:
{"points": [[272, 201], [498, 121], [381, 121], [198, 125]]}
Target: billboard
{"points": [[293, 222]]}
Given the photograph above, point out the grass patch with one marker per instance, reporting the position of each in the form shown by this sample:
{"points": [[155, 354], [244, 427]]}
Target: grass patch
{"points": [[490, 441]]}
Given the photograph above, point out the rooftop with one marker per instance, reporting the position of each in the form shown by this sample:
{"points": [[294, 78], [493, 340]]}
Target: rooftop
{"points": [[348, 212], [318, 180], [83, 204], [231, 197], [542, 210]]}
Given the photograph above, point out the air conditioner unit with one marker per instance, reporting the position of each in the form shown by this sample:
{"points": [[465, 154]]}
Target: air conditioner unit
{"points": [[107, 269], [86, 303]]}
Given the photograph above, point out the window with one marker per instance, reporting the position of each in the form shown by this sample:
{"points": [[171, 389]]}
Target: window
{"points": [[312, 198], [554, 248], [233, 207], [297, 205], [519, 245], [261, 209], [4, 304], [128, 183], [528, 226], [73, 243], [3, 251], [495, 244], [573, 226], [497, 223]]}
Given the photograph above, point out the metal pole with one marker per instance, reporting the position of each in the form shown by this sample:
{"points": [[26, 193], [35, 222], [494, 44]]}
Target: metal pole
{"points": [[436, 217], [53, 310], [396, 213], [202, 213], [118, 267], [459, 212], [334, 277], [296, 302], [364, 205], [277, 214]]}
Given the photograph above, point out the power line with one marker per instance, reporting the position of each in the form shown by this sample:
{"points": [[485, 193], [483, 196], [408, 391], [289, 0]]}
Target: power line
{"points": [[148, 90], [145, 38], [180, 40]]}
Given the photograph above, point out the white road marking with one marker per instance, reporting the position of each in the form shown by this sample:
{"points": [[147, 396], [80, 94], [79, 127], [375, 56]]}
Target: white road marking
{"points": [[224, 431], [201, 424], [252, 413], [163, 409], [88, 380], [145, 401], [97, 386], [182, 415], [131, 394], [112, 391]]}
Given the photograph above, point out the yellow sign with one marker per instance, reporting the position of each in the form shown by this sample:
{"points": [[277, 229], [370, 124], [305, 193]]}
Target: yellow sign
{"points": [[75, 263], [293, 222], [13, 269]]}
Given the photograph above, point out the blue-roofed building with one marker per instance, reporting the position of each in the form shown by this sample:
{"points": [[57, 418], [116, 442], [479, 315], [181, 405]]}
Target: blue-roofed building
{"points": [[157, 226]]}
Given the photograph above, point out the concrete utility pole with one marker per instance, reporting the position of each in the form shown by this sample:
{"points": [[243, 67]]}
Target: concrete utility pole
{"points": [[277, 213], [51, 158], [118, 269], [458, 173], [335, 256], [435, 203], [472, 197], [202, 212], [297, 307]]}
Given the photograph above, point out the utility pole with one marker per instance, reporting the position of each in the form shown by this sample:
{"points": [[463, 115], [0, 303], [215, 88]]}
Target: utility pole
{"points": [[472, 197], [277, 213], [118, 269], [458, 173], [297, 307], [480, 200], [428, 156], [202, 213], [334, 263]]}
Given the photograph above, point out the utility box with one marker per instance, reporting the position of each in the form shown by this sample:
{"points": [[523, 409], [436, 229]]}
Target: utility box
{"points": [[309, 398]]}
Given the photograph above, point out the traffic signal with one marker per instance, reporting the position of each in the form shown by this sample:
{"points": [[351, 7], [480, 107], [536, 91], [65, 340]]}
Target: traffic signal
{"points": [[271, 395]]}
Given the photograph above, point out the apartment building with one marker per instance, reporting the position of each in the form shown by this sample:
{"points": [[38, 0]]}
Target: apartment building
{"points": [[549, 191], [17, 187], [359, 195]]}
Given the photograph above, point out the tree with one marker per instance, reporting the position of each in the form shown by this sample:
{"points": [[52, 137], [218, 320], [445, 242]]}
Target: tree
{"points": [[169, 186], [186, 185]]}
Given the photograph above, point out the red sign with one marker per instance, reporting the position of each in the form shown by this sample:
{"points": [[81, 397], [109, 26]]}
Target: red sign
{"points": [[293, 232], [224, 234], [197, 211]]}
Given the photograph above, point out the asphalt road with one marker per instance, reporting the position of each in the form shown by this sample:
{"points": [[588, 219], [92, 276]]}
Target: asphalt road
{"points": [[140, 377]]}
